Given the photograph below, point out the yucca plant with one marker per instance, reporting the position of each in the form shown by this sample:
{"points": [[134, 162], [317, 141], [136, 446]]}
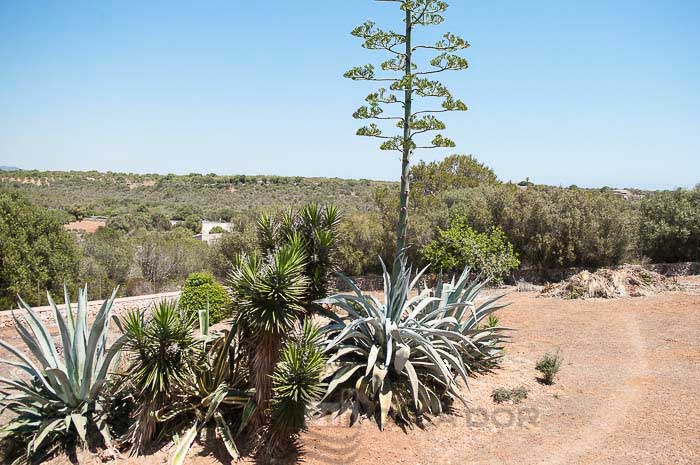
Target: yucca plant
{"points": [[57, 394], [405, 354], [297, 385], [162, 350], [216, 395], [315, 228], [268, 296]]}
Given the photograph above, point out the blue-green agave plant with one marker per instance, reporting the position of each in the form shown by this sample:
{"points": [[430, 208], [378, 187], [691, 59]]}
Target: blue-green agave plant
{"points": [[406, 353], [56, 389]]}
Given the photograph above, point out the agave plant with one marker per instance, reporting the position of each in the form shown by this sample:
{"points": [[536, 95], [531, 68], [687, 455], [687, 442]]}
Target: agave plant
{"points": [[297, 384], [59, 392], [217, 392], [405, 354]]}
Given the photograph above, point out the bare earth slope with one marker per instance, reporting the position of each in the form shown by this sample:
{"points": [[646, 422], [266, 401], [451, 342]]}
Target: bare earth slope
{"points": [[627, 394]]}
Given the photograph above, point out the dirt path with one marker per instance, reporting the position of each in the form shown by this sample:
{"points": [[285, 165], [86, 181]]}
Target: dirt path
{"points": [[626, 394]]}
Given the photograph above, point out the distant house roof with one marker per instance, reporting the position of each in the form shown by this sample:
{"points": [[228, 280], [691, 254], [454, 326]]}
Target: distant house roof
{"points": [[88, 225]]}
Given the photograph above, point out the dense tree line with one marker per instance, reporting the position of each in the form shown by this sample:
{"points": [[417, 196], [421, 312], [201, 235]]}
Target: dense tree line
{"points": [[142, 251]]}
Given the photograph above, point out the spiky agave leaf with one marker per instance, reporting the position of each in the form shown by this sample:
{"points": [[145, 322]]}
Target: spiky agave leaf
{"points": [[418, 345], [64, 394]]}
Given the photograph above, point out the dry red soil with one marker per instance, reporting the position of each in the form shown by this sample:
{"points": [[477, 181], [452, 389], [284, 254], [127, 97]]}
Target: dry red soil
{"points": [[627, 393]]}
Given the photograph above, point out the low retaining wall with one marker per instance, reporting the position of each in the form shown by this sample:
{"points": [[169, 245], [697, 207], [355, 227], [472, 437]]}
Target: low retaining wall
{"points": [[121, 305]]}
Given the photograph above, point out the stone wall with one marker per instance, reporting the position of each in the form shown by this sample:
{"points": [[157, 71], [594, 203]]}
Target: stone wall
{"points": [[120, 306]]}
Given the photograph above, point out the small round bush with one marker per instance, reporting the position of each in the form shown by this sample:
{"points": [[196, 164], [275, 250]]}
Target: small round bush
{"points": [[202, 286]]}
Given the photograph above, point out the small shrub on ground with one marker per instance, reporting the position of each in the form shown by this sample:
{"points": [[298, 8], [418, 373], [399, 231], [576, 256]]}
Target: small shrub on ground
{"points": [[515, 395], [200, 290], [549, 366]]}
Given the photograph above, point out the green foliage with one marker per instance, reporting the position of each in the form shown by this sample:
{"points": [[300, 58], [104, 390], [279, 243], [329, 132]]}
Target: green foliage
{"points": [[453, 172], [461, 246], [268, 295], [165, 256], [36, 253], [61, 399], [551, 227], [181, 377], [315, 229], [361, 241], [161, 350], [549, 366], [269, 292], [216, 394], [201, 291], [119, 195], [515, 395], [107, 258], [217, 230], [296, 383], [670, 226], [223, 253], [405, 354]]}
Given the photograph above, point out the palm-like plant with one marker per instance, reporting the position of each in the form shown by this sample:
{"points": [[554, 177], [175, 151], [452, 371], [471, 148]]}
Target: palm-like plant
{"points": [[268, 294], [162, 349], [297, 384], [315, 228], [60, 392], [407, 351]]}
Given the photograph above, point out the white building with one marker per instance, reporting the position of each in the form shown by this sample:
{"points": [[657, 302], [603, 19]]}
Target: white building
{"points": [[206, 234]]}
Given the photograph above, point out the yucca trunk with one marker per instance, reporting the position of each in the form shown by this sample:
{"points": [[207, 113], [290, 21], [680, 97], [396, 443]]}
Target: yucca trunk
{"points": [[264, 358]]}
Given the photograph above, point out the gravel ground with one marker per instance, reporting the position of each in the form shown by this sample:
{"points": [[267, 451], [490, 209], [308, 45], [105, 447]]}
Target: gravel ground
{"points": [[627, 393]]}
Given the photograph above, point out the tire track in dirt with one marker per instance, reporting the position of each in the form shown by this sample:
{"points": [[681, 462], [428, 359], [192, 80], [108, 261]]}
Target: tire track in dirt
{"points": [[612, 417]]}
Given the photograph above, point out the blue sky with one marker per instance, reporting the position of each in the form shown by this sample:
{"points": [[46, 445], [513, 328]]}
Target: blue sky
{"points": [[566, 92]]}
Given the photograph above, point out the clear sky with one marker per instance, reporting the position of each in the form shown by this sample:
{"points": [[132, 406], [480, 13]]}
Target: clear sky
{"points": [[566, 92]]}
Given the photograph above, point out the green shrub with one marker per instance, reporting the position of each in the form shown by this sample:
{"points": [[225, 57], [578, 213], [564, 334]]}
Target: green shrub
{"points": [[552, 227], [515, 395], [35, 251], [549, 366], [670, 226], [461, 246], [215, 395], [61, 402], [201, 289]]}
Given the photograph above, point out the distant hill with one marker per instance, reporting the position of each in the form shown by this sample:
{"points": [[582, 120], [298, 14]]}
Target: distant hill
{"points": [[176, 196], [9, 168]]}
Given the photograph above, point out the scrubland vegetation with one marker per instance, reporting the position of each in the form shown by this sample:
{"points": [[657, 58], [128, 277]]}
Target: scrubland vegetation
{"points": [[283, 346], [463, 216]]}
